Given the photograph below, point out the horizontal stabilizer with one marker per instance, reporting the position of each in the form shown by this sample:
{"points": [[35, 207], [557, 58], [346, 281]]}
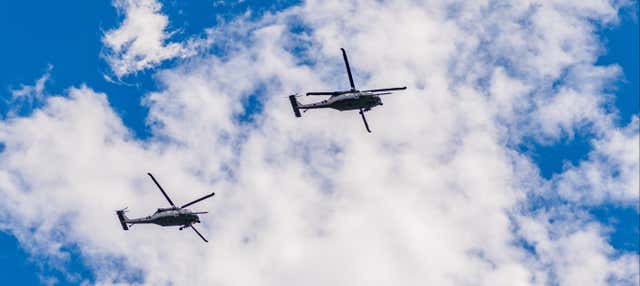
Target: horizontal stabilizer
{"points": [[122, 219], [294, 105]]}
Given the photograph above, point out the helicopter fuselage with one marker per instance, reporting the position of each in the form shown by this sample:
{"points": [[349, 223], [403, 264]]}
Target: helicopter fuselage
{"points": [[348, 101], [168, 217]]}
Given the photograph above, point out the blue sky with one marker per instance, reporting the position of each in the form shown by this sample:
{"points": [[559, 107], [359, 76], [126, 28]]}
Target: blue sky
{"points": [[71, 43], [40, 34]]}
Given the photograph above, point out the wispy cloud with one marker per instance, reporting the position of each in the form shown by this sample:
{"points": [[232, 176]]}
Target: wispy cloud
{"points": [[28, 97], [142, 40]]}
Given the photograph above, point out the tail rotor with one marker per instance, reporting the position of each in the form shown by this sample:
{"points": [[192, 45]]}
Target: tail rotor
{"points": [[122, 217], [294, 105]]}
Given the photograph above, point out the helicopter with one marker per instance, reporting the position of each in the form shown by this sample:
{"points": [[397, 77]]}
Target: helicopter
{"points": [[172, 216], [351, 99]]}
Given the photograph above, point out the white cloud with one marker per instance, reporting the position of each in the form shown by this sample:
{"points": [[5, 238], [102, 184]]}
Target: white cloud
{"points": [[141, 40], [434, 196], [578, 102], [571, 251], [610, 173]]}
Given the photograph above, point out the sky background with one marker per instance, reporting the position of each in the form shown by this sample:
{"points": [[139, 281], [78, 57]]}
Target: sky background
{"points": [[224, 50]]}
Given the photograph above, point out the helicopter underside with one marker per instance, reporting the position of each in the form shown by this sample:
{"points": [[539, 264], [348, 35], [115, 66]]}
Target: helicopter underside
{"points": [[168, 220], [176, 220], [364, 102]]}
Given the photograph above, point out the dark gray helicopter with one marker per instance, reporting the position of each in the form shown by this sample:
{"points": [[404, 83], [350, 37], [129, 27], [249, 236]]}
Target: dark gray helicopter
{"points": [[172, 216], [351, 99]]}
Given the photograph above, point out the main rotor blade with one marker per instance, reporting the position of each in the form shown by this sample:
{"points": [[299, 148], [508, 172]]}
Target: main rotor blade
{"points": [[197, 232], [366, 125], [385, 89], [162, 190], [332, 93], [346, 63], [200, 199], [322, 93]]}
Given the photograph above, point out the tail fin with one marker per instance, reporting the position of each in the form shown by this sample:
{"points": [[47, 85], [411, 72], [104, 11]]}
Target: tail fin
{"points": [[294, 105], [123, 218]]}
